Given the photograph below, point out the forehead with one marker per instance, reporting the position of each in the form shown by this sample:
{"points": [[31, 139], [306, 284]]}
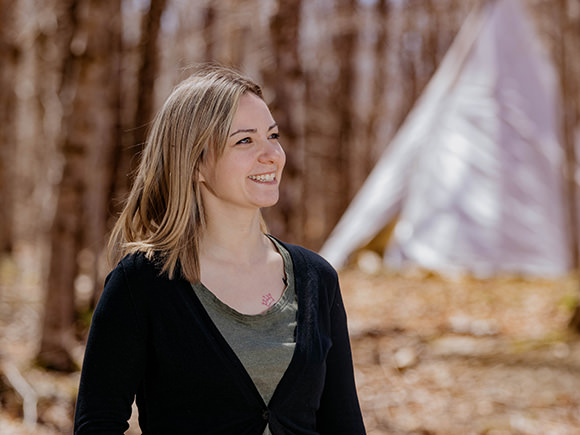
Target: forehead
{"points": [[251, 112]]}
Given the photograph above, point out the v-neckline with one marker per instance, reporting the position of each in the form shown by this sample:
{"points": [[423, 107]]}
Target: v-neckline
{"points": [[231, 356], [276, 306]]}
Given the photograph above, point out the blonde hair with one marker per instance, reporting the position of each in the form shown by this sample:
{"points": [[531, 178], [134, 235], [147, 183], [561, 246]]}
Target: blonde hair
{"points": [[164, 213]]}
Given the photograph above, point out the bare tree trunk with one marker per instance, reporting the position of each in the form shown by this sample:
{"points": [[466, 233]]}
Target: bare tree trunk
{"points": [[235, 16], [430, 38], [126, 156], [568, 124], [315, 192], [99, 205], [64, 235], [149, 68], [408, 74], [46, 46], [87, 133], [569, 120], [377, 110], [9, 59], [209, 25], [345, 46], [285, 79]]}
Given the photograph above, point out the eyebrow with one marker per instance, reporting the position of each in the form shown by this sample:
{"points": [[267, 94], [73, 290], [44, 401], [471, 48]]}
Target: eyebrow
{"points": [[251, 130]]}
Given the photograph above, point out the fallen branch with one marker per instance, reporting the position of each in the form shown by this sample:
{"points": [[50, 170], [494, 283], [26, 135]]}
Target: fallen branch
{"points": [[25, 391]]}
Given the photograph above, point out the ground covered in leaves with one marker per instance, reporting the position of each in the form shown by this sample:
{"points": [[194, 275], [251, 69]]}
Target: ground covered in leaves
{"points": [[432, 355], [465, 356]]}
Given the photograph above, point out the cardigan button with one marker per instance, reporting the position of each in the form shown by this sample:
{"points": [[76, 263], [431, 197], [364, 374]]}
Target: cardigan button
{"points": [[266, 414]]}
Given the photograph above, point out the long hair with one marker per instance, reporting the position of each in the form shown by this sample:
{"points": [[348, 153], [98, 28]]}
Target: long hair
{"points": [[164, 214]]}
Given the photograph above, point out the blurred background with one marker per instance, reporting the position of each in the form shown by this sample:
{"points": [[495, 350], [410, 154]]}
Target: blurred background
{"points": [[458, 257]]}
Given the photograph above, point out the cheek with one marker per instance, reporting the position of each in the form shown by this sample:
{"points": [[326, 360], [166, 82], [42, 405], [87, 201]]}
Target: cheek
{"points": [[282, 158], [205, 170]]}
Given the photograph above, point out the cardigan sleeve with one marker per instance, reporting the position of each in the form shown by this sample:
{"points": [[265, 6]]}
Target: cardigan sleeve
{"points": [[114, 361], [339, 411]]}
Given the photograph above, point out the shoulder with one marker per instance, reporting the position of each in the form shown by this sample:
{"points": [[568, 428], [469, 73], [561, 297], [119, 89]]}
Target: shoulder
{"points": [[137, 268], [309, 261], [139, 281], [317, 283], [136, 262], [139, 261]]}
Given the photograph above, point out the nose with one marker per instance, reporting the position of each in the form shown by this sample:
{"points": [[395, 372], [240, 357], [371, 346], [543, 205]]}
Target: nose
{"points": [[272, 153]]}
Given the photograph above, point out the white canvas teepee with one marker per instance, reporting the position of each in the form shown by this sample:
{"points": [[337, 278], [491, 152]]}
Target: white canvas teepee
{"points": [[473, 176]]}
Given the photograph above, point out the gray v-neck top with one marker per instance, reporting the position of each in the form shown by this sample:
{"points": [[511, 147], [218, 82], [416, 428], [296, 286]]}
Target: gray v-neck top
{"points": [[264, 343]]}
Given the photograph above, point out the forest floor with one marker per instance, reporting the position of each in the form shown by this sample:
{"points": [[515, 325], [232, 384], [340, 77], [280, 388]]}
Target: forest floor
{"points": [[432, 355]]}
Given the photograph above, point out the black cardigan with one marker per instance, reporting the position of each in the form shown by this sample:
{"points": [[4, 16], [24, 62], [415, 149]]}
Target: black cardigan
{"points": [[151, 337]]}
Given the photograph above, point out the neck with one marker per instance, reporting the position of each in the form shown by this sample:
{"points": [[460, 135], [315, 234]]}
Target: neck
{"points": [[235, 238]]}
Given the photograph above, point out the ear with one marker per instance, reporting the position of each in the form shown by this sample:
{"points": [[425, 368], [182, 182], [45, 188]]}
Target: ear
{"points": [[201, 173], [203, 167], [199, 176]]}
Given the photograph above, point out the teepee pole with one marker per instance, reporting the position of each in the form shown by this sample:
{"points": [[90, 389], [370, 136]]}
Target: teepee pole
{"points": [[568, 120]]}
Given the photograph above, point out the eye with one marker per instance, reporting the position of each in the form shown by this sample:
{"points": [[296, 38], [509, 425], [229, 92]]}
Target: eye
{"points": [[275, 136], [245, 140]]}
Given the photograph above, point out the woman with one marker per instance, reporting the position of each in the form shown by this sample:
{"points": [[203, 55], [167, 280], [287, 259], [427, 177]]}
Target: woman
{"points": [[215, 326]]}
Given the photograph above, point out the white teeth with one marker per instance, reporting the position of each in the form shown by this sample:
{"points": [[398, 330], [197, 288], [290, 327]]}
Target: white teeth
{"points": [[264, 177]]}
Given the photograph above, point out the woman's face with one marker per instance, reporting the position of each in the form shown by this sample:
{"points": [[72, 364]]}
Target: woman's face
{"points": [[248, 173]]}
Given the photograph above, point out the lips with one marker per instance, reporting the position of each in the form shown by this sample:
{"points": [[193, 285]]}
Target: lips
{"points": [[264, 178]]}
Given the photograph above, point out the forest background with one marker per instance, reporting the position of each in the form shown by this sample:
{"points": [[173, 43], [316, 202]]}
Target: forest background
{"points": [[81, 79]]}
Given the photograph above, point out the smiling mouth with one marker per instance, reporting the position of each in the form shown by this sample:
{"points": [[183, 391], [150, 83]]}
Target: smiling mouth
{"points": [[263, 178]]}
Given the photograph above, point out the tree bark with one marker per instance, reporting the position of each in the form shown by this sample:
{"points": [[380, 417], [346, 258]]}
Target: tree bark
{"points": [[125, 152], [87, 133], [126, 157], [345, 47], [408, 73], [209, 34], [9, 59], [569, 124], [235, 19], [380, 79], [430, 40], [285, 79], [149, 58], [99, 200]]}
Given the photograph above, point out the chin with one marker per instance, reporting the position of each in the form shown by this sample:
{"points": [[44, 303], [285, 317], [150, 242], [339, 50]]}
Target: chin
{"points": [[267, 203]]}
